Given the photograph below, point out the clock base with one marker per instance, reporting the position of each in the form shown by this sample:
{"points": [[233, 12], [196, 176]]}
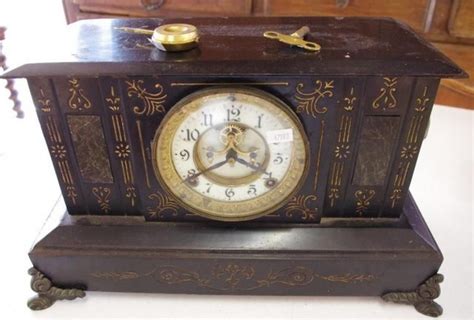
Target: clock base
{"points": [[398, 262]]}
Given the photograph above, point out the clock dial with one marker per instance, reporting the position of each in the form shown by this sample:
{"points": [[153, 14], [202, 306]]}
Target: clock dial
{"points": [[230, 153]]}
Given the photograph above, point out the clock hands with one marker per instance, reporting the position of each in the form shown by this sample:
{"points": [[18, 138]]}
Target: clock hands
{"points": [[252, 166], [230, 157]]}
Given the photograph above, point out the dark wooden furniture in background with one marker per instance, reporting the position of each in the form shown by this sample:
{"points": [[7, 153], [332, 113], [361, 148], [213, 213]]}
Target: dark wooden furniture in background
{"points": [[449, 24], [10, 82]]}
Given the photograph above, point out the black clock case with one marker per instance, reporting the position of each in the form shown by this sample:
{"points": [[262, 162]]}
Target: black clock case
{"points": [[364, 101]]}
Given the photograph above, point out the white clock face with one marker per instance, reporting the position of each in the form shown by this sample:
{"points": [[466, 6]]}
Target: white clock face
{"points": [[230, 154]]}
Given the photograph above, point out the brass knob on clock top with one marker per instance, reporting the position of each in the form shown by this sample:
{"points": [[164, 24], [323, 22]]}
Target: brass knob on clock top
{"points": [[175, 37], [170, 37]]}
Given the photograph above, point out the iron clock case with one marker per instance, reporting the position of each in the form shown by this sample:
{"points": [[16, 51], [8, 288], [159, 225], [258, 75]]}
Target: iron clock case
{"points": [[129, 131]]}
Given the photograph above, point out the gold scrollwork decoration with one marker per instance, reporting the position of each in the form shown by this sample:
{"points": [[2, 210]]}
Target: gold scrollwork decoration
{"points": [[113, 101], [301, 205], [308, 101], [386, 99], [350, 100], [363, 198], [163, 204], [44, 102], [131, 194], [77, 100], [422, 102], [235, 277], [102, 194], [152, 102]]}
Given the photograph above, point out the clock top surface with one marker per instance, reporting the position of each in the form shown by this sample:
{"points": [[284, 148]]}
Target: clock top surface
{"points": [[236, 46]]}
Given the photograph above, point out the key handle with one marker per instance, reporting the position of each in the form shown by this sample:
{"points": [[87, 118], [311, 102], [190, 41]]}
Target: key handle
{"points": [[294, 39]]}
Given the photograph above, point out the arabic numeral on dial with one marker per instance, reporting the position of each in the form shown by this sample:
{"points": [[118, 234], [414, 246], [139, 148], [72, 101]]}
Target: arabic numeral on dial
{"points": [[184, 154], [229, 193], [259, 122], [278, 159], [233, 114], [192, 134], [252, 190], [208, 187], [191, 172], [207, 119]]}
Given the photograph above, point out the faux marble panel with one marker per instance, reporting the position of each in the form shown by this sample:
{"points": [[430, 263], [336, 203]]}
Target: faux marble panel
{"points": [[377, 139], [90, 148]]}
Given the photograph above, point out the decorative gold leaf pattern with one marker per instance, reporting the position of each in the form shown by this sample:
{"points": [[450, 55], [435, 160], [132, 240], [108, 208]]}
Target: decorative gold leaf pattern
{"points": [[363, 200], [308, 101], [152, 102], [386, 98], [77, 100], [235, 277], [301, 205], [163, 204], [102, 194]]}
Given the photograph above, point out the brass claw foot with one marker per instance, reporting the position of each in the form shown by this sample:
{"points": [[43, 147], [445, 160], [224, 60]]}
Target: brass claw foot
{"points": [[47, 293], [422, 298]]}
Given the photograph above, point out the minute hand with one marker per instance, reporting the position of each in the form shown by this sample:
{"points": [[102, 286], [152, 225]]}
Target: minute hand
{"points": [[251, 166]]}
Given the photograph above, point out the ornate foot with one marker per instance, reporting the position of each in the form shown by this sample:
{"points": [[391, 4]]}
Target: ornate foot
{"points": [[47, 293], [422, 298]]}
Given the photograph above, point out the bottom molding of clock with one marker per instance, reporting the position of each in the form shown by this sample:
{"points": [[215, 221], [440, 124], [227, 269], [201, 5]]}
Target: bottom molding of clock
{"points": [[398, 263]]}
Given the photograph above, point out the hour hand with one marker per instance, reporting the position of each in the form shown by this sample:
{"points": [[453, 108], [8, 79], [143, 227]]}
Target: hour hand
{"points": [[251, 166]]}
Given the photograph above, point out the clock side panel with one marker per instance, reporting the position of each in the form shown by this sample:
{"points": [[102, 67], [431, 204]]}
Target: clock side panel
{"points": [[59, 146], [87, 122], [370, 174]]}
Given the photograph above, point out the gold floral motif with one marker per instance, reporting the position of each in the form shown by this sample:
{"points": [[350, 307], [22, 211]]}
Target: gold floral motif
{"points": [[44, 102], [152, 102], [113, 101], [308, 101], [363, 200], [409, 152], [163, 204], [342, 151], [77, 100], [102, 194], [386, 98], [421, 102], [300, 205], [235, 277], [350, 101], [122, 150], [410, 149], [58, 151]]}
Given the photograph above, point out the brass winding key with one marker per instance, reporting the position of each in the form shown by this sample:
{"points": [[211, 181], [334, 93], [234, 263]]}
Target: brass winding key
{"points": [[294, 39]]}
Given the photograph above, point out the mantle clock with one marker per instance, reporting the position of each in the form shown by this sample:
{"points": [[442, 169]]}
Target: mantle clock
{"points": [[240, 166]]}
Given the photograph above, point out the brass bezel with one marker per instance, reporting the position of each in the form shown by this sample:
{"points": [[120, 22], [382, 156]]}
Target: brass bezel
{"points": [[273, 196]]}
